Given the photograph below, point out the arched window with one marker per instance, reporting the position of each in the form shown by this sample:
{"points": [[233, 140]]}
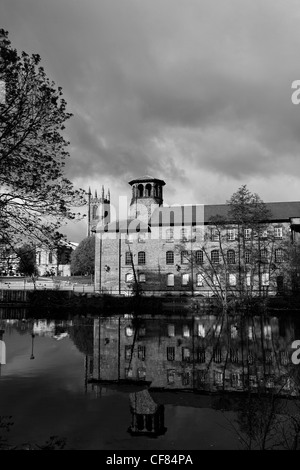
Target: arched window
{"points": [[169, 257], [184, 257], [199, 257], [141, 257], [199, 280], [140, 190], [155, 191], [185, 279], [170, 280], [148, 190], [215, 256], [128, 257], [50, 258], [231, 257]]}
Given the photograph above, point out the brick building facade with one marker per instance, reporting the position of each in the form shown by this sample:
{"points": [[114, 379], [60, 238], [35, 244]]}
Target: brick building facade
{"points": [[179, 250]]}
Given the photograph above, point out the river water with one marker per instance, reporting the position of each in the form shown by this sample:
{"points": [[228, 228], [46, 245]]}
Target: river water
{"points": [[167, 382]]}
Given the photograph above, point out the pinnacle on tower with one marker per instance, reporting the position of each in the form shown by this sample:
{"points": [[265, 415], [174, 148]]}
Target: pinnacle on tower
{"points": [[102, 193]]}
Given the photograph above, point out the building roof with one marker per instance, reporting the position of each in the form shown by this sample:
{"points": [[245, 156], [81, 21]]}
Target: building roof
{"points": [[196, 215], [146, 178]]}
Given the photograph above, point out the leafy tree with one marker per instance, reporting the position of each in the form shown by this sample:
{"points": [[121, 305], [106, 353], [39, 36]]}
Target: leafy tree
{"points": [[27, 262], [83, 258], [35, 196]]}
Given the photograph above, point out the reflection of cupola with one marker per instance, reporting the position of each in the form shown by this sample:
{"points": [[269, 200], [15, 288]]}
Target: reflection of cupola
{"points": [[147, 195]]}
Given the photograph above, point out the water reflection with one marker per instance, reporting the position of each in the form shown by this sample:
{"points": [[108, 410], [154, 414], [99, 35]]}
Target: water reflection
{"points": [[237, 370], [206, 353]]}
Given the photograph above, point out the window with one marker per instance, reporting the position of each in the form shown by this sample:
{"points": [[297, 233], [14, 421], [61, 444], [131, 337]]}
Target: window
{"points": [[142, 277], [250, 332], [201, 355], [128, 373], [234, 355], [199, 257], [265, 279], [128, 257], [201, 377], [247, 233], [170, 257], [186, 354], [184, 257], [264, 255], [199, 280], [129, 238], [148, 189], [128, 353], [231, 234], [264, 234], [129, 277], [217, 329], [50, 258], [218, 377], [267, 331], [217, 355], [235, 380], [278, 232], [170, 235], [140, 190], [201, 330], [141, 373], [231, 257], [171, 376], [215, 234], [185, 279], [142, 352], [233, 331], [278, 255], [248, 279], [128, 331], [170, 280], [141, 257], [185, 378], [284, 358], [232, 279], [269, 356], [171, 330], [215, 256], [247, 256], [170, 353], [185, 331], [216, 279]]}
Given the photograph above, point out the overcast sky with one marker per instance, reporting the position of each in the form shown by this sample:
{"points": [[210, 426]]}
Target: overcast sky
{"points": [[196, 92]]}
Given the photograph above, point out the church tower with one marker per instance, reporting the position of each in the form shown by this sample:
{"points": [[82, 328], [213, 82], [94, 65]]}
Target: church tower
{"points": [[147, 195], [98, 210]]}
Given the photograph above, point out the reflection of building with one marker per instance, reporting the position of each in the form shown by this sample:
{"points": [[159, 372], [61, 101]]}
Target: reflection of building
{"points": [[171, 246], [204, 353], [147, 417]]}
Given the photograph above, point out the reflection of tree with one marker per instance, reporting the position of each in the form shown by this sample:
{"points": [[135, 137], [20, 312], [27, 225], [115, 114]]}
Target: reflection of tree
{"points": [[82, 335]]}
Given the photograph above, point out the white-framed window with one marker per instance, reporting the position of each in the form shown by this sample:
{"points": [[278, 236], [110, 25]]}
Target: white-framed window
{"points": [[231, 234], [128, 257], [278, 255], [248, 279], [247, 256], [184, 257], [141, 257], [170, 280], [199, 257], [185, 331], [142, 277], [185, 279], [170, 257], [278, 232], [215, 256], [232, 279], [231, 257], [129, 277], [265, 279], [247, 233], [171, 330], [199, 280], [201, 330], [216, 279]]}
